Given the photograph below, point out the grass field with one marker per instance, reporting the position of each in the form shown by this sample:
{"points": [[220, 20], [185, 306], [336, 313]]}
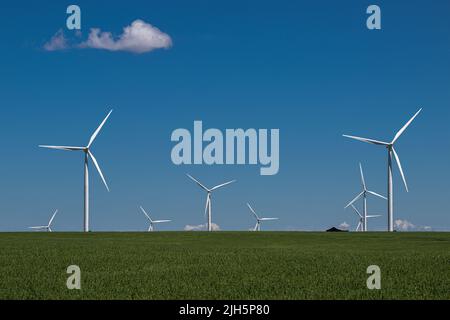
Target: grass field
{"points": [[225, 265]]}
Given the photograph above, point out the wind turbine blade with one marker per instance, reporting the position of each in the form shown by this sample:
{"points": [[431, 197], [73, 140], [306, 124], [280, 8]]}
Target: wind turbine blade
{"points": [[357, 211], [146, 214], [397, 136], [377, 195], [162, 221], [371, 141], [223, 185], [253, 211], [64, 148], [53, 217], [359, 226], [400, 168], [269, 219], [363, 181], [256, 227], [377, 216], [91, 141], [198, 183], [354, 200], [38, 227], [98, 169]]}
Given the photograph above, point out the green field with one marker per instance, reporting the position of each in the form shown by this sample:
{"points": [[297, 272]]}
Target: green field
{"points": [[225, 265]]}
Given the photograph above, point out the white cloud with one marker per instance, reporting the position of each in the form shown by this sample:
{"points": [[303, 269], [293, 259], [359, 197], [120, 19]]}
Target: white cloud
{"points": [[403, 225], [139, 37], [344, 226], [425, 228], [57, 42], [201, 227]]}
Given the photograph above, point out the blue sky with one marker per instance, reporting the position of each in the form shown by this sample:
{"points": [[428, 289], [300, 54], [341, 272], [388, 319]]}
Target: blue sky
{"points": [[312, 70]]}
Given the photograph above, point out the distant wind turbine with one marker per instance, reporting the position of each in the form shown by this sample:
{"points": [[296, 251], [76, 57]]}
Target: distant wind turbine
{"points": [[362, 219], [391, 153], [258, 219], [87, 154], [363, 195], [47, 228], [153, 222], [208, 209]]}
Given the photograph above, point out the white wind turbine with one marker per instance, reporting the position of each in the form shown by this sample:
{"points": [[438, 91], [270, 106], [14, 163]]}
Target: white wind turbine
{"points": [[87, 154], [153, 222], [258, 219], [362, 219], [363, 195], [391, 153], [208, 209], [47, 228]]}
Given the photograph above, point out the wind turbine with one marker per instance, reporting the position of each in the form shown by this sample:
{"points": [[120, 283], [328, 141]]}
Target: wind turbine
{"points": [[362, 219], [208, 209], [391, 153], [48, 227], [87, 155], [363, 195], [258, 219], [152, 223]]}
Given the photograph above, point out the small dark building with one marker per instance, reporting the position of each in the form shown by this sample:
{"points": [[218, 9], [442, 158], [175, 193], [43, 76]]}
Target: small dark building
{"points": [[334, 229]]}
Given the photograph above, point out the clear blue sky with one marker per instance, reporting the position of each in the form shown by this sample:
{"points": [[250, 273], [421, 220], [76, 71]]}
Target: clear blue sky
{"points": [[312, 70]]}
